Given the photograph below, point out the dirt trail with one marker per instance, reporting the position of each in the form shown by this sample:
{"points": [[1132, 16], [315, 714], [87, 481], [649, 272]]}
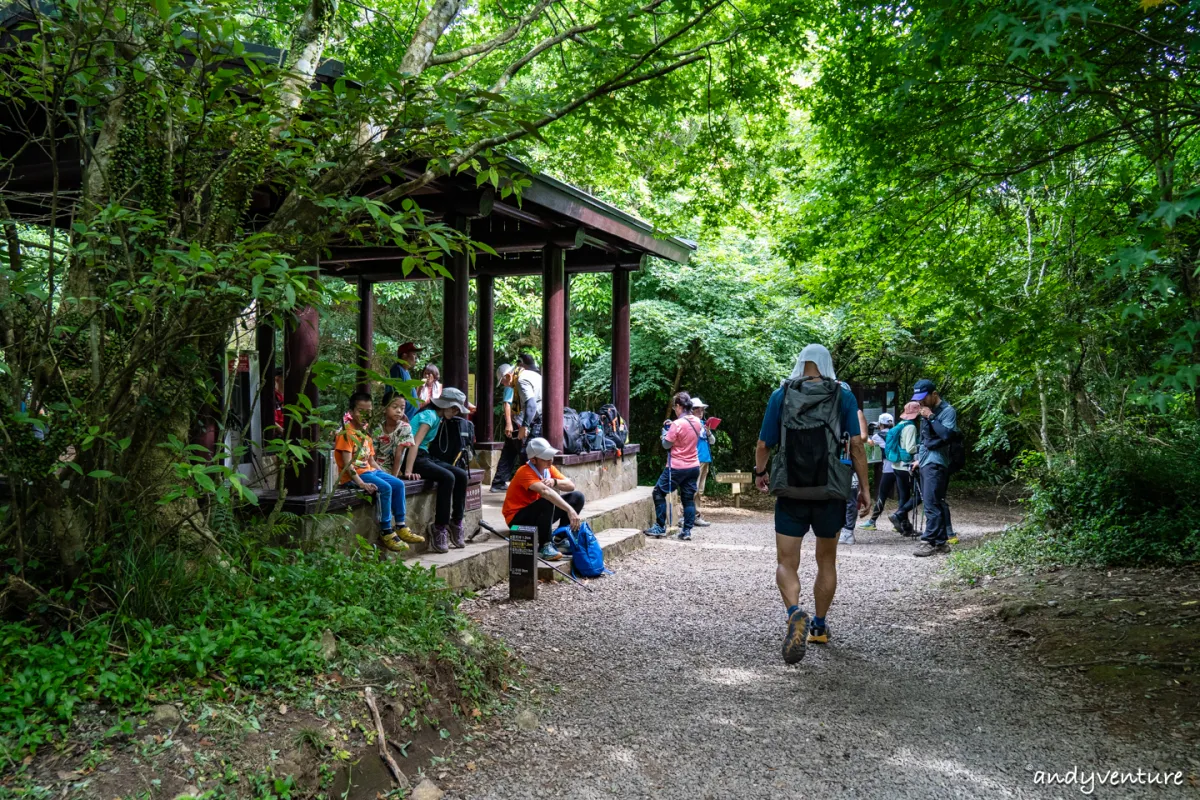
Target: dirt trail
{"points": [[672, 686]]}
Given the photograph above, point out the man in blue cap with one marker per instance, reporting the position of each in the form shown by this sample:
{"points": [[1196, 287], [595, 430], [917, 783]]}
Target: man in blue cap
{"points": [[939, 422]]}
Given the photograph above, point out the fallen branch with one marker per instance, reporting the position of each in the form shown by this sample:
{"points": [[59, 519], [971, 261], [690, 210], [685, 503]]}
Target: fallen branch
{"points": [[1129, 662], [381, 740]]}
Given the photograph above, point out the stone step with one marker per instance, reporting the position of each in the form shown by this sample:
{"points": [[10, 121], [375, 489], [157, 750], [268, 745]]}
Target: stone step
{"points": [[617, 521]]}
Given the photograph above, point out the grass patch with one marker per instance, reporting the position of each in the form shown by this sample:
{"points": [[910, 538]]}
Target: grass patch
{"points": [[1125, 497], [253, 625]]}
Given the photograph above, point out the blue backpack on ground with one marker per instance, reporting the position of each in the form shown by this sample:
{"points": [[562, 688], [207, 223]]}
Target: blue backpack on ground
{"points": [[892, 450], [587, 559]]}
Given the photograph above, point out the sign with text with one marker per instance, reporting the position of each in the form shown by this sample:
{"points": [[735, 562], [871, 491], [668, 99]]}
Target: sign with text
{"points": [[734, 477], [522, 563], [474, 497]]}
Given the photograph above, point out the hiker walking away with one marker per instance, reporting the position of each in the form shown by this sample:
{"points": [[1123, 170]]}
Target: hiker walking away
{"points": [[679, 439], [355, 455], [852, 510], [507, 465], [704, 453], [811, 420], [888, 481], [939, 423], [406, 359], [542, 497]]}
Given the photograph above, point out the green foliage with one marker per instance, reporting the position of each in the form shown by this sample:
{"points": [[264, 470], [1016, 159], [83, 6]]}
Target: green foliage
{"points": [[1126, 497], [256, 623]]}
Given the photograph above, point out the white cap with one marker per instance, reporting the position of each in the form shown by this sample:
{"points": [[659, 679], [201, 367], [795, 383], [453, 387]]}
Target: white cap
{"points": [[540, 448], [887, 419], [698, 403], [503, 370]]}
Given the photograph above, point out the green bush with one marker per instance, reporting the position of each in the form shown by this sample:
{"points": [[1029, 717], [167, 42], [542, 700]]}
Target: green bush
{"points": [[255, 625], [1125, 497]]}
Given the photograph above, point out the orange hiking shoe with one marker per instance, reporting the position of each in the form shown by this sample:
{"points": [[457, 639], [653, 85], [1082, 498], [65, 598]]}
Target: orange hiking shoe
{"points": [[794, 641]]}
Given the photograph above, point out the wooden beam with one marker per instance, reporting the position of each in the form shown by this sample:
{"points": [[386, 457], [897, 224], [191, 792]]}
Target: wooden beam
{"points": [[264, 339], [566, 323], [300, 342], [553, 277], [456, 318], [528, 240], [485, 378], [366, 332], [578, 262], [620, 342], [472, 205]]}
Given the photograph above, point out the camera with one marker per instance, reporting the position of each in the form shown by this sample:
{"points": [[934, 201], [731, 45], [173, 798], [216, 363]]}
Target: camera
{"points": [[872, 428]]}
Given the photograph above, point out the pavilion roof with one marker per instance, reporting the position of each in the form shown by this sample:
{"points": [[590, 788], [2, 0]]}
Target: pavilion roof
{"points": [[597, 236]]}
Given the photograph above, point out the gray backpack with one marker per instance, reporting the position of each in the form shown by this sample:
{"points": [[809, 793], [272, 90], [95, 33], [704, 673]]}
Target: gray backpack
{"points": [[808, 462]]}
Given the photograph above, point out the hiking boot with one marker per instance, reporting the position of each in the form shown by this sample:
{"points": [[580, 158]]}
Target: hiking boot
{"points": [[563, 545], [847, 537], [794, 641], [869, 525], [406, 535], [818, 635], [441, 539], [497, 488], [549, 553], [701, 522], [897, 522], [931, 549], [685, 536], [458, 537], [392, 542], [655, 531]]}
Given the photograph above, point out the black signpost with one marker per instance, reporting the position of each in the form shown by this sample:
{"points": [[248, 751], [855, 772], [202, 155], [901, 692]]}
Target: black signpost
{"points": [[522, 563]]}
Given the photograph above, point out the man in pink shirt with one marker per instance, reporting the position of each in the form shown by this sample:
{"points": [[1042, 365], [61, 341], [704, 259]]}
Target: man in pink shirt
{"points": [[679, 439]]}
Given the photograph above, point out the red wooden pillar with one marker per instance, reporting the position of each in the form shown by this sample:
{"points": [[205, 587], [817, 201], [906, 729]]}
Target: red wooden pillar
{"points": [[553, 340], [485, 375], [366, 332], [566, 339], [620, 341], [264, 342], [299, 354], [456, 318]]}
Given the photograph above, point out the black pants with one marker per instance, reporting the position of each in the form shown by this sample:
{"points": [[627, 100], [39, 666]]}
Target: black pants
{"points": [[451, 487], [511, 458], [935, 480], [907, 483], [887, 482], [546, 516]]}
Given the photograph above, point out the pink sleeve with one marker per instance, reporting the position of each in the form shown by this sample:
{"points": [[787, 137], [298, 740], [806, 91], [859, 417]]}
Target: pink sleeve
{"points": [[672, 432]]}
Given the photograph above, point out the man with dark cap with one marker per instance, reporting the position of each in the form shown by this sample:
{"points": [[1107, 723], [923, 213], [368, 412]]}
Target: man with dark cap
{"points": [[406, 359], [939, 422]]}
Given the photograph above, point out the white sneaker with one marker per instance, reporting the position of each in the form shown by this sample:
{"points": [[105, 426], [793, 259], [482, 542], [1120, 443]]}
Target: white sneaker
{"points": [[847, 537]]}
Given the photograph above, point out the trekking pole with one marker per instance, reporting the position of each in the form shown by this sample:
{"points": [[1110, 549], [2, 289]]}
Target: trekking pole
{"points": [[490, 529], [920, 501]]}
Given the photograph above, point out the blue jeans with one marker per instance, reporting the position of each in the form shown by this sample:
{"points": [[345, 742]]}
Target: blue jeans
{"points": [[390, 510], [683, 480]]}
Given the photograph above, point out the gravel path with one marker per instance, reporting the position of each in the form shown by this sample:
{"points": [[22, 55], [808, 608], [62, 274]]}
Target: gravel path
{"points": [[672, 686]]}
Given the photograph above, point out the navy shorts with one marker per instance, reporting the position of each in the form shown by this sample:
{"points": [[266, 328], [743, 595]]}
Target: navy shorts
{"points": [[795, 517]]}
